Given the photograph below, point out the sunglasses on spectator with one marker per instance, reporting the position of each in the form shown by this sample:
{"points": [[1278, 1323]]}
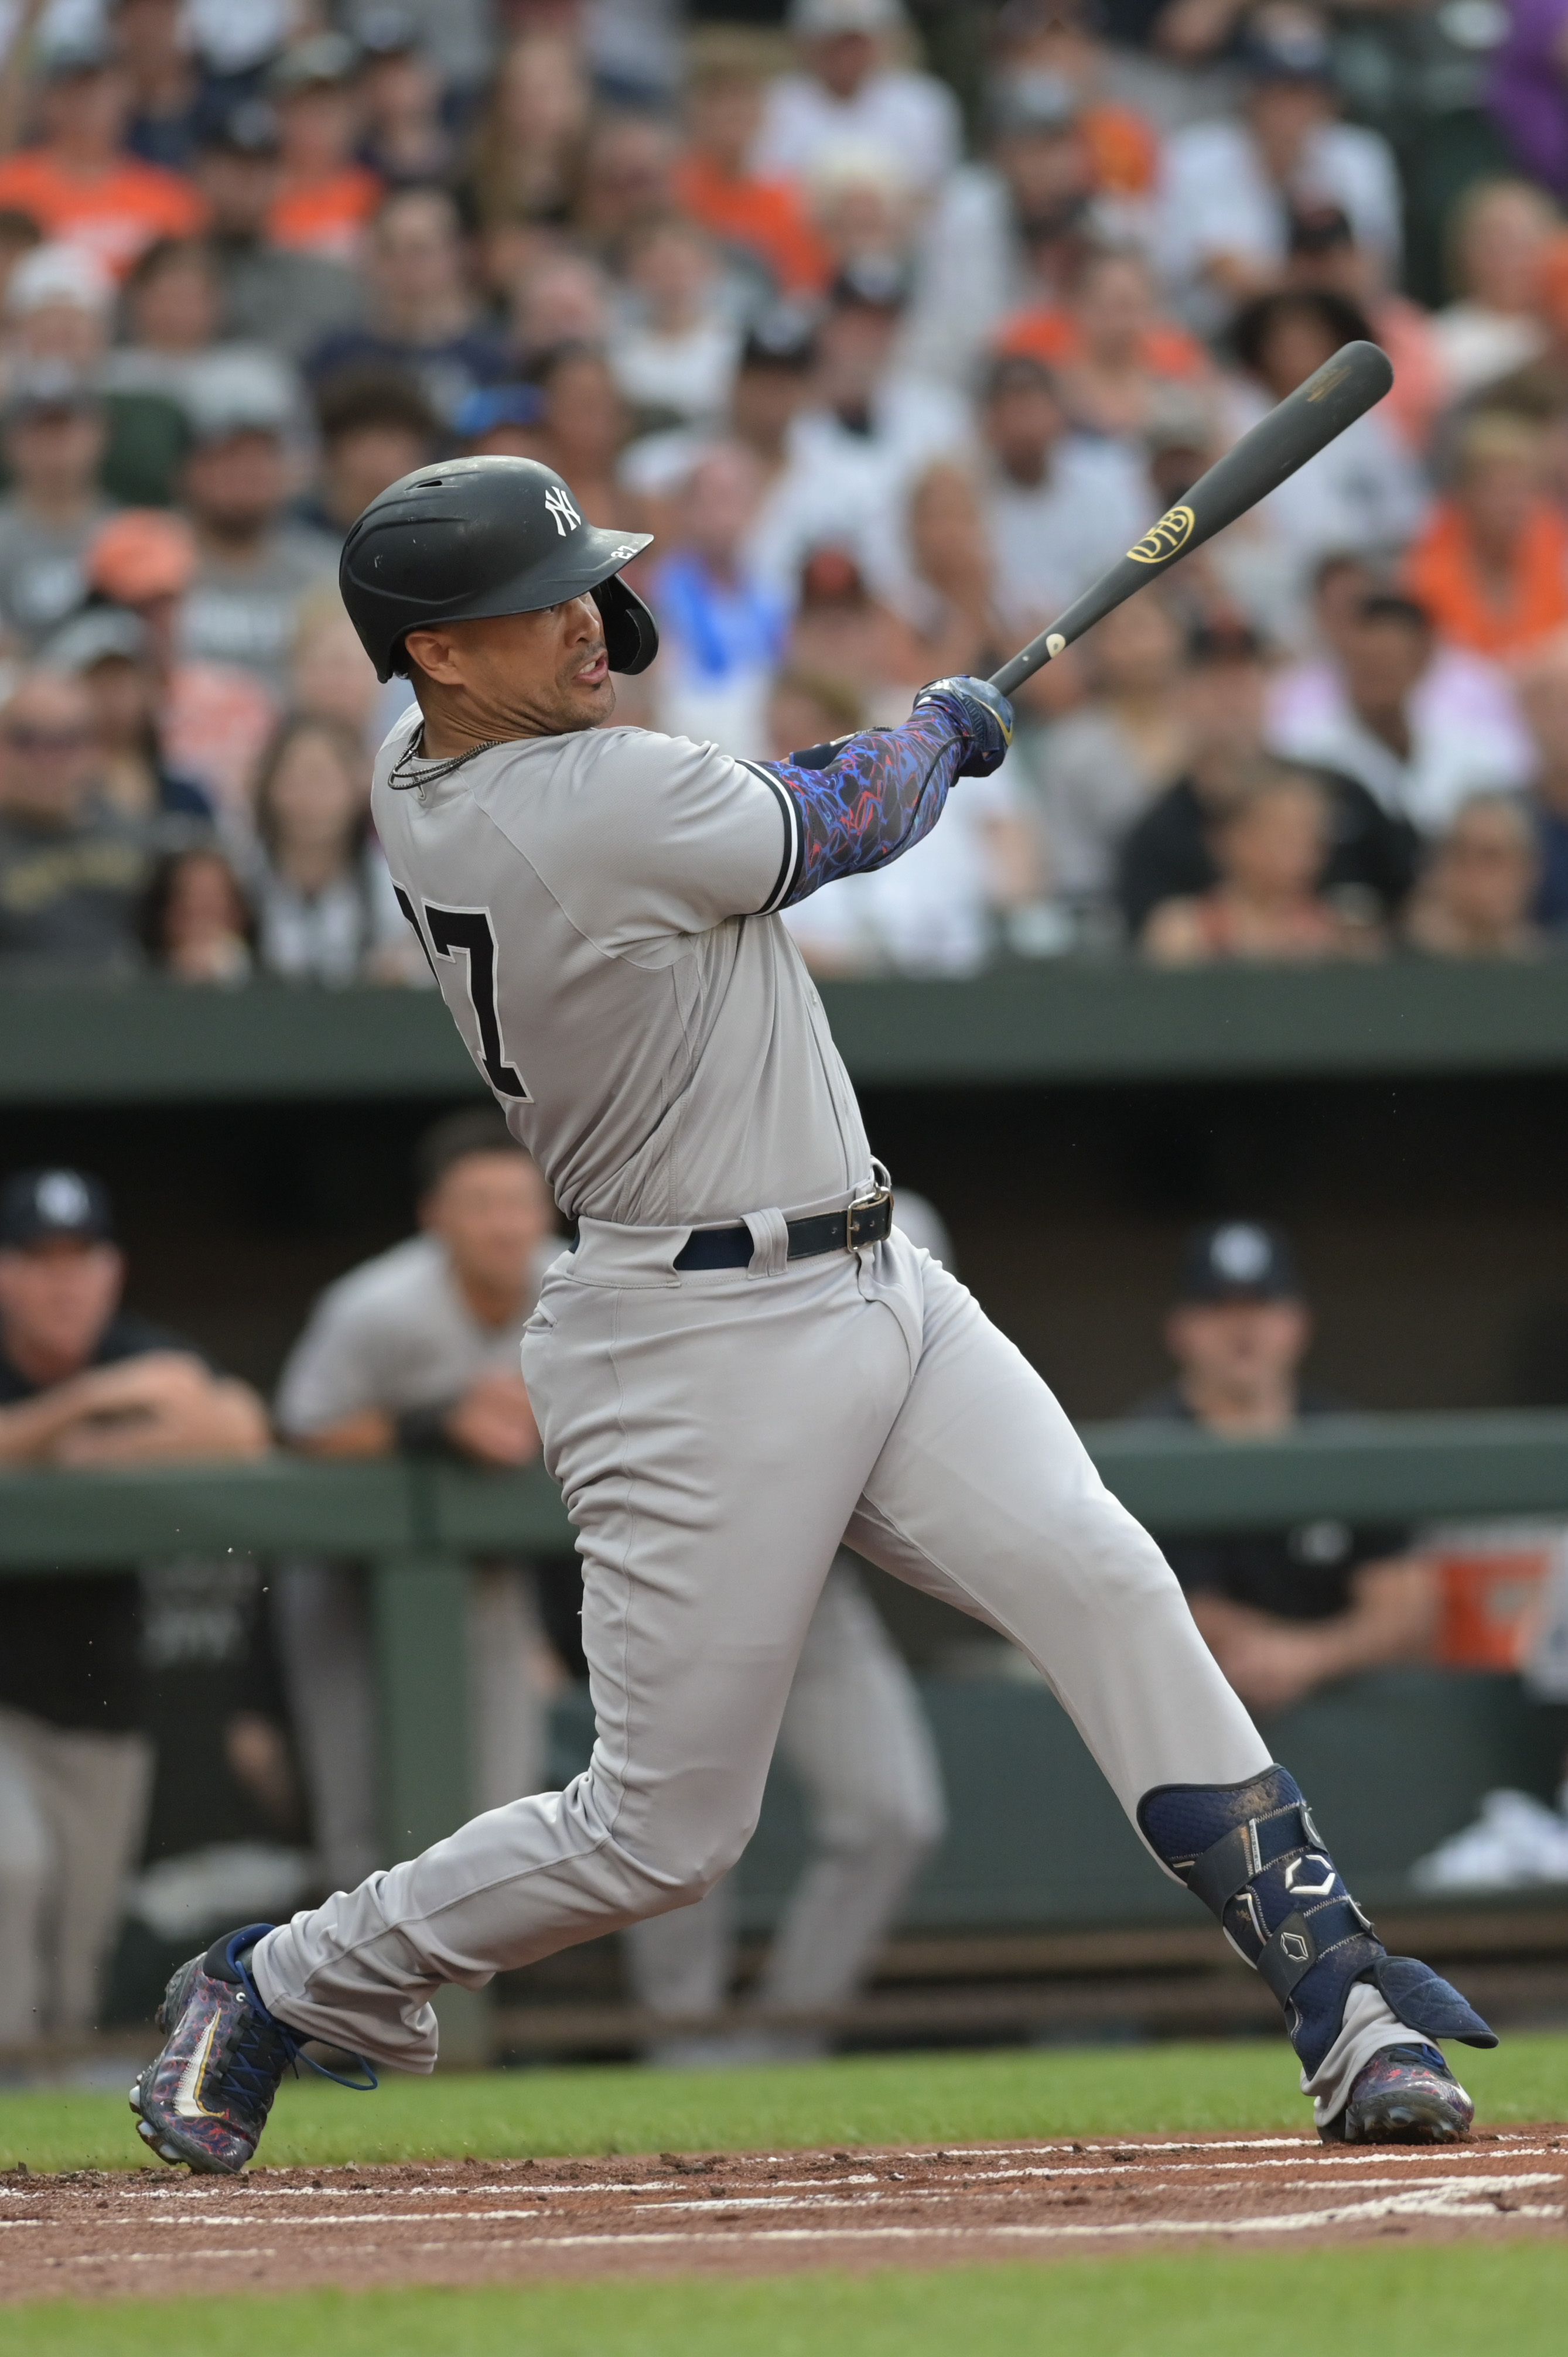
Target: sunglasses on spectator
{"points": [[47, 741]]}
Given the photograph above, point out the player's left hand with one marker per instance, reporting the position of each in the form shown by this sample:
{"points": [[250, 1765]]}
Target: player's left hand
{"points": [[984, 714]]}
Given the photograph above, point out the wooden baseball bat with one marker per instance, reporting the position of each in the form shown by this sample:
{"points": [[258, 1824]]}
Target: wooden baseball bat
{"points": [[1304, 423]]}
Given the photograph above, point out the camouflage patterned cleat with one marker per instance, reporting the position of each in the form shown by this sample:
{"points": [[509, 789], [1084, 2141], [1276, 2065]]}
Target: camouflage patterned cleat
{"points": [[1406, 2094], [205, 2100]]}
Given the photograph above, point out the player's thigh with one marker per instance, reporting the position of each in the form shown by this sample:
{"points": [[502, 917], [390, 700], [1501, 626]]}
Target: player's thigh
{"points": [[709, 1441], [986, 1496], [854, 1732]]}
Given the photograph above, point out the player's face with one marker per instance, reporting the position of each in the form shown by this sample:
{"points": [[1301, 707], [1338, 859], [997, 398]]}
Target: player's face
{"points": [[56, 1299], [543, 674], [1237, 1347], [492, 1213]]}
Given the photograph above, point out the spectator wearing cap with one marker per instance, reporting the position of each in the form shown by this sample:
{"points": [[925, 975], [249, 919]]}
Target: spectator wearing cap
{"points": [[83, 1382], [423, 323], [1223, 208], [376, 427], [1392, 715], [78, 183], [271, 294], [327, 197], [849, 88], [873, 425], [1168, 854], [1283, 1611], [111, 651], [674, 351], [761, 216], [55, 433], [1476, 895], [416, 1352], [253, 564], [1061, 505], [1492, 566], [1270, 845], [405, 138], [71, 864], [214, 719], [1500, 238]]}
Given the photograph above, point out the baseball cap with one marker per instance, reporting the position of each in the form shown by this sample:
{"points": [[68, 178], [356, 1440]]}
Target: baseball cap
{"points": [[74, 52], [238, 401], [1035, 101], [1223, 642], [248, 128], [780, 337], [818, 20], [38, 1204], [58, 273], [873, 283], [1238, 1260], [97, 634], [1287, 44], [325, 61], [388, 32]]}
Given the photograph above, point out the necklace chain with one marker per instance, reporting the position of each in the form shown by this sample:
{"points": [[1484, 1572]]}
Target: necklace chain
{"points": [[436, 771]]}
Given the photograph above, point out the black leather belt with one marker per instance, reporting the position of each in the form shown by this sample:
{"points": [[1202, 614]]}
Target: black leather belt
{"points": [[864, 1223]]}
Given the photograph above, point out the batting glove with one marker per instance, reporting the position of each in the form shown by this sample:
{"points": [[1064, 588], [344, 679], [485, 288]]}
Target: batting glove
{"points": [[983, 715]]}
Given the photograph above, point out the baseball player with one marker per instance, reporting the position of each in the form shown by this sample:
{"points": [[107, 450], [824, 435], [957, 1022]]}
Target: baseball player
{"points": [[742, 1360]]}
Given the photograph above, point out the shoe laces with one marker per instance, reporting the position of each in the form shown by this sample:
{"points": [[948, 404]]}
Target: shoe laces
{"points": [[251, 2058]]}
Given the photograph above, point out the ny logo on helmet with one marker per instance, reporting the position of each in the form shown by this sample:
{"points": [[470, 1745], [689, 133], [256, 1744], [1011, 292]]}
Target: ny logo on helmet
{"points": [[561, 507]]}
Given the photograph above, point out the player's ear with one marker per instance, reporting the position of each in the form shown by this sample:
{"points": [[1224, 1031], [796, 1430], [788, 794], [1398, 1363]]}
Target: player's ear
{"points": [[432, 652]]}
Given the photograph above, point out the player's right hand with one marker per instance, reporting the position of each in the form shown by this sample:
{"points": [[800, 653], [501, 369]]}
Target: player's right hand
{"points": [[983, 713]]}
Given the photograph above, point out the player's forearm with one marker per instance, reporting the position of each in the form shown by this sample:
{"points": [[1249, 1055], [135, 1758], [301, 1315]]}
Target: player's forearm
{"points": [[876, 796], [1390, 1618]]}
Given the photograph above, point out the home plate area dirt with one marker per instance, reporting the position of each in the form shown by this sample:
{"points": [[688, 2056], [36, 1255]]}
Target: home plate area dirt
{"points": [[478, 2222]]}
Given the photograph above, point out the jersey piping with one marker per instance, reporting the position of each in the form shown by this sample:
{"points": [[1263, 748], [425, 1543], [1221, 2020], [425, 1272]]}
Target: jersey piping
{"points": [[794, 845]]}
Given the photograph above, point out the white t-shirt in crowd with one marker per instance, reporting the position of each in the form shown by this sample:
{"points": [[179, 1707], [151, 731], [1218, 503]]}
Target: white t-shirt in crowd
{"points": [[912, 117], [1466, 736], [1051, 538]]}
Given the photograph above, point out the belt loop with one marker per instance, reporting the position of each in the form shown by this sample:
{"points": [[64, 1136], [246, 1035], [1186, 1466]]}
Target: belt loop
{"points": [[769, 1243]]}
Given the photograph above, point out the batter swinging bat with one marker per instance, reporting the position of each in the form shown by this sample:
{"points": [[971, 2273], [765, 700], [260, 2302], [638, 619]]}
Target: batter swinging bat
{"points": [[1305, 422]]}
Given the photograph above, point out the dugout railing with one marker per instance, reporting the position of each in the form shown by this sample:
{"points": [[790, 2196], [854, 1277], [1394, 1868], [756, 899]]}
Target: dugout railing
{"points": [[1041, 1911]]}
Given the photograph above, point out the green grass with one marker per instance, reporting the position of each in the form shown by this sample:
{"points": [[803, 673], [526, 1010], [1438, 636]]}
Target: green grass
{"points": [[1405, 2302], [875, 2100]]}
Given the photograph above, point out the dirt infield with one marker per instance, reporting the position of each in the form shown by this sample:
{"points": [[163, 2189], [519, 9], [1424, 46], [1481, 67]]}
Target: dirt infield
{"points": [[482, 2222]]}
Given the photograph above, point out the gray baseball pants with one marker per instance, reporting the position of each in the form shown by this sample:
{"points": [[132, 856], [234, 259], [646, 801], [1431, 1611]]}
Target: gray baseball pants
{"points": [[716, 1434], [856, 1738]]}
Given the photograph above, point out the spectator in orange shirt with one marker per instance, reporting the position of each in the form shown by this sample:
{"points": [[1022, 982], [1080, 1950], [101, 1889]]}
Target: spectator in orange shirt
{"points": [[765, 218], [1492, 567], [1063, 37], [327, 198], [1114, 357], [79, 184]]}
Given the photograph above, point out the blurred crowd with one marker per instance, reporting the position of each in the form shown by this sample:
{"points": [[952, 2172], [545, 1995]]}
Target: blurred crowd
{"points": [[893, 360]]}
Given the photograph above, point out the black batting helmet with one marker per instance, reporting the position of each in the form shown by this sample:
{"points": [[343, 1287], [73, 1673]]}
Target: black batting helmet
{"points": [[473, 537]]}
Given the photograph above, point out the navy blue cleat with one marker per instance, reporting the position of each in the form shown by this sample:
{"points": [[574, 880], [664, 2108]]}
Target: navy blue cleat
{"points": [[205, 2100], [1405, 2094]]}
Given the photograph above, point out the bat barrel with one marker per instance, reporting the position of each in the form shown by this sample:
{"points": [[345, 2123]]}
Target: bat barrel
{"points": [[1304, 423]]}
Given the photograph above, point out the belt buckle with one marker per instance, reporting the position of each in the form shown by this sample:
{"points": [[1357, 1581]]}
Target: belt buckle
{"points": [[872, 1202]]}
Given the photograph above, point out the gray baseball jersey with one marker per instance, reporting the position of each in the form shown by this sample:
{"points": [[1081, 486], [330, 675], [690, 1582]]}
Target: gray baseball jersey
{"points": [[396, 1334], [597, 912]]}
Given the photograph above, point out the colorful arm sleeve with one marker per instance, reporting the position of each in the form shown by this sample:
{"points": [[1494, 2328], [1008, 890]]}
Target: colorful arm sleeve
{"points": [[869, 799]]}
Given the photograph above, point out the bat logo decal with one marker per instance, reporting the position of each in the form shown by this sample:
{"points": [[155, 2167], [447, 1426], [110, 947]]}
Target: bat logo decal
{"points": [[1162, 539]]}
